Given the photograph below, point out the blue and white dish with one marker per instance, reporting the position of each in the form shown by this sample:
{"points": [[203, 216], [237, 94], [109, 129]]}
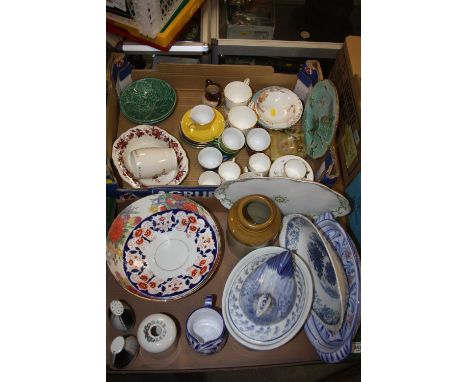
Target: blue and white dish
{"points": [[330, 287], [205, 330], [267, 298], [334, 347]]}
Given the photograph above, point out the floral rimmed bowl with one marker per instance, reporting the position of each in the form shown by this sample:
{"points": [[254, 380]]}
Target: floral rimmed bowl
{"points": [[335, 347], [276, 107], [163, 247], [144, 136], [146, 101], [267, 298]]}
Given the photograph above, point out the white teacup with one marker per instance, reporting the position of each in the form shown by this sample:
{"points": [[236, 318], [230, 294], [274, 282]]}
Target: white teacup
{"points": [[242, 118], [237, 93], [231, 141], [259, 163], [210, 158], [295, 169], [209, 178], [202, 114], [229, 170], [149, 162], [258, 139]]}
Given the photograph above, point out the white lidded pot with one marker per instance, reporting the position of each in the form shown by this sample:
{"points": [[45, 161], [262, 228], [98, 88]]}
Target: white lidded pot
{"points": [[157, 334]]}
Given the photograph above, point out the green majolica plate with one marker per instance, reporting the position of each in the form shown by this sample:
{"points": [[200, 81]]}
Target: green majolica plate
{"points": [[320, 118], [147, 101]]}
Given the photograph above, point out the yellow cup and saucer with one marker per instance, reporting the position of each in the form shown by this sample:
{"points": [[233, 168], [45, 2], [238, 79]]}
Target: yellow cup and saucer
{"points": [[203, 131]]}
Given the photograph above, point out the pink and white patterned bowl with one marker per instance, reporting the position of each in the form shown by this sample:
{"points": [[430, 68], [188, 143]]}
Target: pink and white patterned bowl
{"points": [[163, 247]]}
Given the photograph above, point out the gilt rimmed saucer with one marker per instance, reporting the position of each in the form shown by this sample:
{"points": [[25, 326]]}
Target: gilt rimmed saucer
{"points": [[202, 134], [277, 167], [277, 107]]}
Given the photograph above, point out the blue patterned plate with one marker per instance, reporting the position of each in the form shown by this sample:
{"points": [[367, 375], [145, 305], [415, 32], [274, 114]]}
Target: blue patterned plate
{"points": [[330, 286], [334, 347], [163, 247], [267, 298]]}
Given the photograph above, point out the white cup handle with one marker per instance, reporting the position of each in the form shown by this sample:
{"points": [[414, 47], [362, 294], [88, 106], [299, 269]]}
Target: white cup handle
{"points": [[247, 81]]}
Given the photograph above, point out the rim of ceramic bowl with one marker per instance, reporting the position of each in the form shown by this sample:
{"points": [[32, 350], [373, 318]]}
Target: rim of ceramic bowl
{"points": [[257, 345], [259, 199]]}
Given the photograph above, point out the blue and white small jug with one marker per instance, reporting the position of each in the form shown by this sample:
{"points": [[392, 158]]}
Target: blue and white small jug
{"points": [[205, 330]]}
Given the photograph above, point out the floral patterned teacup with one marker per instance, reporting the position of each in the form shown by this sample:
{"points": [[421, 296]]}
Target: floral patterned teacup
{"points": [[205, 330]]}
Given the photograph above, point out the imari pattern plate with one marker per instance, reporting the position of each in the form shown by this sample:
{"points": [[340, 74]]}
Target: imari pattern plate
{"points": [[163, 247]]}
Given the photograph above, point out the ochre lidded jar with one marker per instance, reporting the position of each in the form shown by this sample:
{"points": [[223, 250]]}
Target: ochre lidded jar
{"points": [[254, 221]]}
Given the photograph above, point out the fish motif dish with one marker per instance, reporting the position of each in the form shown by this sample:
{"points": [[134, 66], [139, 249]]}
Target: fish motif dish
{"points": [[144, 136], [299, 234], [335, 347], [276, 107], [320, 118], [163, 247], [267, 298]]}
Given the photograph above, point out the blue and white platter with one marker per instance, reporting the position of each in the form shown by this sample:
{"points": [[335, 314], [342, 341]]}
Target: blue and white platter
{"points": [[334, 347], [330, 299], [267, 298]]}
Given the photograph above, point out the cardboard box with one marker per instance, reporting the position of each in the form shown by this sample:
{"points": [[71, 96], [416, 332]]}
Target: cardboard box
{"points": [[189, 82], [346, 75]]}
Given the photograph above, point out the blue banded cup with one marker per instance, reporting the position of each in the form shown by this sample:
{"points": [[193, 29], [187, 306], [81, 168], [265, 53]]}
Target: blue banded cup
{"points": [[205, 330]]}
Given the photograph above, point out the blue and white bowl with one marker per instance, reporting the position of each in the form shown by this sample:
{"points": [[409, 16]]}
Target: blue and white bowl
{"points": [[205, 330], [335, 347], [267, 298], [330, 286]]}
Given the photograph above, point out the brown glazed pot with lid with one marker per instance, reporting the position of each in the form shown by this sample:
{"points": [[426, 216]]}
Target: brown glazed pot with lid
{"points": [[254, 221]]}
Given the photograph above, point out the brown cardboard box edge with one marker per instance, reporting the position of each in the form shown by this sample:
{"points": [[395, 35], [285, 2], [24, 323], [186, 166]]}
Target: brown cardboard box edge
{"points": [[346, 74], [189, 82]]}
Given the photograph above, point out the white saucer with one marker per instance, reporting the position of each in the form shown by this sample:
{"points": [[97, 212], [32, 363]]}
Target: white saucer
{"points": [[277, 168]]}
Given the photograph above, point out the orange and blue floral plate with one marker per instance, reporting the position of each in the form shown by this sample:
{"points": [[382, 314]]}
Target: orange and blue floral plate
{"points": [[163, 247]]}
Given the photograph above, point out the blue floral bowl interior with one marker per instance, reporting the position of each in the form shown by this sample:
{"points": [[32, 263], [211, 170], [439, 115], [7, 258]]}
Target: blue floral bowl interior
{"points": [[268, 294]]}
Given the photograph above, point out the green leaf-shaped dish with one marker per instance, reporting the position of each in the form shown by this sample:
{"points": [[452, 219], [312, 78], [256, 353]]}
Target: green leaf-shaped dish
{"points": [[147, 101], [320, 118]]}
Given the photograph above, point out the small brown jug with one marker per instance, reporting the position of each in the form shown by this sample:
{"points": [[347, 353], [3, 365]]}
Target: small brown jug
{"points": [[254, 221]]}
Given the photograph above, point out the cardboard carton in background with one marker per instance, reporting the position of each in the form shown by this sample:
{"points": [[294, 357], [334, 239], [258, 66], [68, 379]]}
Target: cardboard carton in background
{"points": [[189, 82], [346, 75]]}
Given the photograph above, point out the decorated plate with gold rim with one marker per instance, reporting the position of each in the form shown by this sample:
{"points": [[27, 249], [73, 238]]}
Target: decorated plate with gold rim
{"points": [[202, 133], [276, 107], [163, 247]]}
